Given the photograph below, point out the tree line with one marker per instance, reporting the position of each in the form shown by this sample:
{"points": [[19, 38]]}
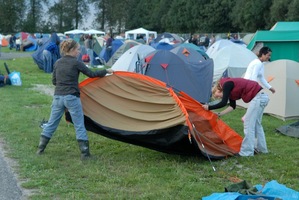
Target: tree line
{"points": [[175, 16]]}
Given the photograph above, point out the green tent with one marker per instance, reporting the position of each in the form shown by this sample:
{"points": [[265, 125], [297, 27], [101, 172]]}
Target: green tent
{"points": [[286, 26], [284, 44], [283, 39]]}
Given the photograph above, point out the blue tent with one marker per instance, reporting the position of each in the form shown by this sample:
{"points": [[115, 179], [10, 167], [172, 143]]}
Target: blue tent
{"points": [[38, 54], [195, 80], [116, 43]]}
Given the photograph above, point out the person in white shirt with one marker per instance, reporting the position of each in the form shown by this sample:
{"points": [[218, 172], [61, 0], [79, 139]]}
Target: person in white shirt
{"points": [[255, 69], [255, 72]]}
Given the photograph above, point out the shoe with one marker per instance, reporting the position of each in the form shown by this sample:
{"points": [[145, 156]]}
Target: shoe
{"points": [[256, 152], [84, 148], [237, 155], [43, 142]]}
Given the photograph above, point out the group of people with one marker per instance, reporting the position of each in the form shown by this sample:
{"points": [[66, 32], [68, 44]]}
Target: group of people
{"points": [[67, 96], [250, 91], [204, 41]]}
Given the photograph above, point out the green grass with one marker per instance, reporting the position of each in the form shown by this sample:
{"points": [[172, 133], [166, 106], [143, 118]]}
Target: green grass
{"points": [[121, 170]]}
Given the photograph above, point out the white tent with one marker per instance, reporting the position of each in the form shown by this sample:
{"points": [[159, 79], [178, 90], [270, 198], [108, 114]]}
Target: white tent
{"points": [[132, 34], [283, 76], [129, 60], [75, 31], [233, 60], [96, 32], [219, 44]]}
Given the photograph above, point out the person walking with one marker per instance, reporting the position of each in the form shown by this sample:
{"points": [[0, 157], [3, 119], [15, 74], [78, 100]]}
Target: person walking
{"points": [[232, 89], [67, 96]]}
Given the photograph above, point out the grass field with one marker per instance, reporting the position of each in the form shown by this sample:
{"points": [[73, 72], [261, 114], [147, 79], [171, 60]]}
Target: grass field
{"points": [[121, 170]]}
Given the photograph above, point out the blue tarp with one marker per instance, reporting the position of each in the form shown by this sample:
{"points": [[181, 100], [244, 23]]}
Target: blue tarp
{"points": [[270, 191]]}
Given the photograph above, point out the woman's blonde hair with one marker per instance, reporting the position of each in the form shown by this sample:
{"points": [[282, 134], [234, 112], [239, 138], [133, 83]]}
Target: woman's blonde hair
{"points": [[67, 45], [216, 87]]}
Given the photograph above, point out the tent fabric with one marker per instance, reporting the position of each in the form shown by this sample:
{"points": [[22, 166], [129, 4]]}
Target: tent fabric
{"points": [[141, 110], [201, 68], [121, 50], [218, 45], [173, 38], [285, 26], [270, 191], [291, 130], [38, 54], [34, 44], [93, 31], [195, 47], [133, 59], [75, 31], [132, 34], [188, 54], [284, 44], [284, 101], [163, 46], [5, 43], [231, 61], [195, 80], [116, 43]]}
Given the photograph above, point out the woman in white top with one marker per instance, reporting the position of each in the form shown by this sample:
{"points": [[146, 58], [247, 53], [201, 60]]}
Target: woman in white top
{"points": [[255, 69], [255, 72]]}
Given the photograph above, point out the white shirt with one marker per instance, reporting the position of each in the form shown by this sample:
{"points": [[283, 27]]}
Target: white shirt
{"points": [[255, 72]]}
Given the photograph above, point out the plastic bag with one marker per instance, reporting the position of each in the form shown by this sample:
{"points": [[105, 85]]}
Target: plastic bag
{"points": [[15, 78]]}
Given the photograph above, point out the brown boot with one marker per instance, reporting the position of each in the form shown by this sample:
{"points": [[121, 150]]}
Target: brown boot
{"points": [[42, 144]]}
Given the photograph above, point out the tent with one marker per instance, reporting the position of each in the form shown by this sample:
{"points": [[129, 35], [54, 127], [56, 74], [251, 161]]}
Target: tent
{"points": [[75, 31], [116, 43], [219, 44], [132, 34], [163, 45], [195, 80], [247, 38], [189, 54], [201, 68], [284, 44], [283, 75], [285, 26], [195, 47], [144, 111], [120, 51], [291, 130], [133, 58], [38, 54], [5, 43], [173, 38], [231, 61], [94, 32]]}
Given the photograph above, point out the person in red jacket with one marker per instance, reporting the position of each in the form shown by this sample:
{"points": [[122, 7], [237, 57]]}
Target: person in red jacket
{"points": [[232, 89]]}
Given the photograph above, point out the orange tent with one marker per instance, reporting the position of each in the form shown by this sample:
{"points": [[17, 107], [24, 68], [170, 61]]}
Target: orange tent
{"points": [[4, 42], [141, 110]]}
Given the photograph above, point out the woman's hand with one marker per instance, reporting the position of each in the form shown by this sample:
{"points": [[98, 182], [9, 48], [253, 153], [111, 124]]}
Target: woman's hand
{"points": [[110, 71], [205, 106]]}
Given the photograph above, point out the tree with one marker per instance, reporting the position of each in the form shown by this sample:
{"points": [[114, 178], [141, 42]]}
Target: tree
{"points": [[252, 15], [12, 23], [34, 15], [67, 14]]}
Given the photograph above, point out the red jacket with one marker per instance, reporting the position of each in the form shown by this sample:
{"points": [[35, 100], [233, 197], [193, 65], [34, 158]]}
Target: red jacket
{"points": [[244, 89]]}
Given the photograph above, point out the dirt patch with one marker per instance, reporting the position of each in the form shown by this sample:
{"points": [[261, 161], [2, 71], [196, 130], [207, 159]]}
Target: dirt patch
{"points": [[44, 89]]}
